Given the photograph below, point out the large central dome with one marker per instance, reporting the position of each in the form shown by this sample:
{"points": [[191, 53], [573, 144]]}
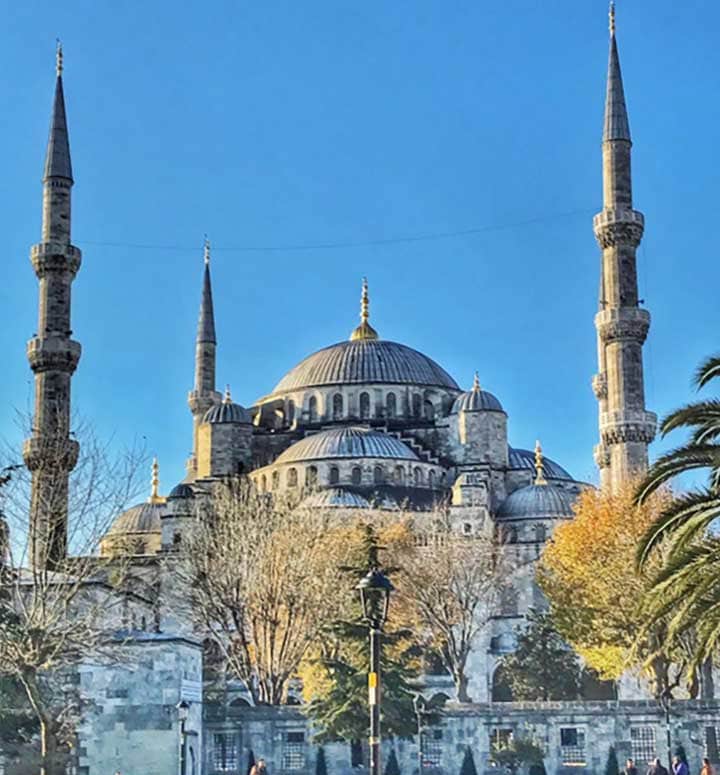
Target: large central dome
{"points": [[364, 361]]}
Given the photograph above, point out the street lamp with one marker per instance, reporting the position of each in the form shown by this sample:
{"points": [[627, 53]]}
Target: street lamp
{"points": [[666, 702], [375, 589], [183, 711], [419, 708]]}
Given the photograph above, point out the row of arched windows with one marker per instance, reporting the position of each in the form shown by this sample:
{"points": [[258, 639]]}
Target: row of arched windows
{"points": [[398, 476], [421, 409]]}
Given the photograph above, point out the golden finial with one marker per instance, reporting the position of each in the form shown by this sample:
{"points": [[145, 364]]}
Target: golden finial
{"points": [[227, 399], [58, 57], [155, 483], [612, 17], [539, 473], [364, 330], [206, 251], [476, 383]]}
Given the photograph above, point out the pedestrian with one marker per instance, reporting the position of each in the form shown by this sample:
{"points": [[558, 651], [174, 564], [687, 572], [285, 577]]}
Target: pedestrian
{"points": [[631, 769], [707, 768], [679, 767], [657, 768], [259, 768]]}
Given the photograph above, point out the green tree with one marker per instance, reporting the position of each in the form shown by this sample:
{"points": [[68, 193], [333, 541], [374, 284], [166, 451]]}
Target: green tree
{"points": [[321, 762], [686, 590], [468, 763], [392, 767], [611, 766], [517, 752], [339, 706], [543, 667]]}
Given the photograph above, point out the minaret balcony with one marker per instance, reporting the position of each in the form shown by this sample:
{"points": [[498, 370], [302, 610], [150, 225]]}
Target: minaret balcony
{"points": [[624, 425], [622, 324], [50, 452], [55, 257], [53, 353], [618, 227]]}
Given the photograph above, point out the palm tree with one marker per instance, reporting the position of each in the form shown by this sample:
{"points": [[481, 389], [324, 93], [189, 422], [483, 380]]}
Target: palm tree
{"points": [[686, 590]]}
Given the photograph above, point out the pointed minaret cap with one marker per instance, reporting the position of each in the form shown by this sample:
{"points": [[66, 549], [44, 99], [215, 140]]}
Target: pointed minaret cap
{"points": [[57, 159], [539, 473], [617, 124], [206, 321], [155, 484], [364, 330]]}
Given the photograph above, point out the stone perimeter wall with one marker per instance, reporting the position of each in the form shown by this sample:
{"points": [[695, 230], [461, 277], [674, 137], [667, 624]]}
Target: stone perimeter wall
{"points": [[576, 736]]}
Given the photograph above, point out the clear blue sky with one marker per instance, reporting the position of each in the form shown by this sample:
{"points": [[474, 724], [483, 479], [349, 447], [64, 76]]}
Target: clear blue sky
{"points": [[276, 124]]}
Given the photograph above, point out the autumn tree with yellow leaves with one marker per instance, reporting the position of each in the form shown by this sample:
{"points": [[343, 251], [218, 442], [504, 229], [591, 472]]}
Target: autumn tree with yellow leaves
{"points": [[597, 596]]}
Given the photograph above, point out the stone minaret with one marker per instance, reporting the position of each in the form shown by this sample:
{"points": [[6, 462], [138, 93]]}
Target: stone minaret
{"points": [[50, 453], [626, 428], [203, 395]]}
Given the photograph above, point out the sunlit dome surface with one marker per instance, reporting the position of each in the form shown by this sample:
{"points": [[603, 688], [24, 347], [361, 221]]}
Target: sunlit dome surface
{"points": [[347, 443], [525, 459], [535, 501]]}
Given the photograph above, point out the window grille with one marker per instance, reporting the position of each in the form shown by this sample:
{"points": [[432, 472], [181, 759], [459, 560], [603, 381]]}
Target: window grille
{"points": [[572, 746], [225, 753], [712, 742], [293, 755], [642, 740], [500, 738], [431, 747]]}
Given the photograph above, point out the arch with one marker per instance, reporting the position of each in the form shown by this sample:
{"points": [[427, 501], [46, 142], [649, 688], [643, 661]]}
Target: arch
{"points": [[313, 409], [356, 476], [431, 478], [292, 477], [364, 405], [290, 416], [311, 476], [240, 702], [263, 483], [417, 405], [428, 410], [275, 482], [391, 405], [501, 688], [418, 476], [399, 475], [378, 475], [540, 532], [334, 474], [337, 406]]}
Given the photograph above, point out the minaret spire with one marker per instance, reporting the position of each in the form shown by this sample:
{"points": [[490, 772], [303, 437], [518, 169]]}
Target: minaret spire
{"points": [[539, 465], [364, 330], [203, 395], [50, 454], [626, 428]]}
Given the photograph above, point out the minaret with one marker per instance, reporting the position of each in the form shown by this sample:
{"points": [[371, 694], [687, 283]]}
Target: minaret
{"points": [[203, 395], [50, 454], [626, 428]]}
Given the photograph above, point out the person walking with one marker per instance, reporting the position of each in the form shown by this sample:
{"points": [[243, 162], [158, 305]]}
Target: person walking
{"points": [[656, 768], [679, 767], [259, 768], [707, 768], [630, 768]]}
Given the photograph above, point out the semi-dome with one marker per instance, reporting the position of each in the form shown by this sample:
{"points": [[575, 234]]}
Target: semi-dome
{"points": [[537, 501], [476, 400], [525, 459], [143, 518], [347, 443], [227, 412], [181, 490], [336, 498], [365, 361]]}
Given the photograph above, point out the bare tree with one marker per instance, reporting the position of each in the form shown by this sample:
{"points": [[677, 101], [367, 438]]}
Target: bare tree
{"points": [[452, 581], [262, 578], [56, 615]]}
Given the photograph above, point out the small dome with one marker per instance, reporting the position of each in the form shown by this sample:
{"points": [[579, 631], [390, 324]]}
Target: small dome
{"points": [[143, 518], [347, 443], [525, 459], [336, 498], [476, 400], [181, 490], [535, 501], [228, 412]]}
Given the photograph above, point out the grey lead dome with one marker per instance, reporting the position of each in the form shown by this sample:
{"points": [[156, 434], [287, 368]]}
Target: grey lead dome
{"points": [[365, 361], [347, 443], [227, 412], [535, 502]]}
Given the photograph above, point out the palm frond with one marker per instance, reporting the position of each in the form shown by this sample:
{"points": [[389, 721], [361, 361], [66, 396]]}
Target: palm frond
{"points": [[698, 413], [686, 458], [708, 370]]}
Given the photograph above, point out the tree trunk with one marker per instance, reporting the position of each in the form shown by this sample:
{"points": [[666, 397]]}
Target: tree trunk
{"points": [[50, 760], [461, 686]]}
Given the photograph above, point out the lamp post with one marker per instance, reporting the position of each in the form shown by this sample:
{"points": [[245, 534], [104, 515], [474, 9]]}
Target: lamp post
{"points": [[375, 589], [666, 701], [419, 708], [183, 711]]}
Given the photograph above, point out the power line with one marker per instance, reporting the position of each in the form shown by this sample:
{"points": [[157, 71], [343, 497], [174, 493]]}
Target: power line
{"points": [[441, 235]]}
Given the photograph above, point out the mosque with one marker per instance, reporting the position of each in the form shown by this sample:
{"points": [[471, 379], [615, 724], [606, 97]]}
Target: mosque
{"points": [[365, 424]]}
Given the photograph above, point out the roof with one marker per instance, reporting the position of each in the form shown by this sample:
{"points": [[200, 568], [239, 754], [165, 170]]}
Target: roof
{"points": [[181, 490], [347, 443], [477, 401], [525, 459], [143, 518], [536, 501], [57, 159], [339, 497], [365, 361], [227, 412], [617, 125]]}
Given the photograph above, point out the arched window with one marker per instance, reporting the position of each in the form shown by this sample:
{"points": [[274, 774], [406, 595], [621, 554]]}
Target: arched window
{"points": [[290, 412], [312, 409], [431, 478], [540, 534], [364, 405], [311, 476], [418, 477], [334, 475], [263, 483], [378, 475], [275, 480], [501, 689], [337, 406], [391, 405], [399, 475], [416, 405], [429, 410], [292, 478], [356, 475]]}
